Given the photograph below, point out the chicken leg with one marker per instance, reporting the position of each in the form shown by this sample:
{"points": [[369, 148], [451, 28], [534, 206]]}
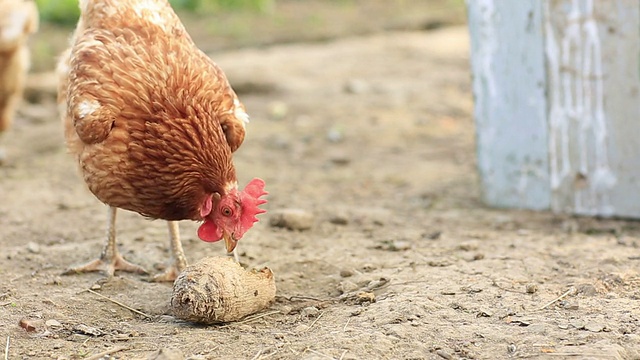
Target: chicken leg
{"points": [[178, 261], [3, 153], [110, 259]]}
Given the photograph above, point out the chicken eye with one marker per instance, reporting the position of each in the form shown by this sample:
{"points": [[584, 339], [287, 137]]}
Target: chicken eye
{"points": [[226, 211]]}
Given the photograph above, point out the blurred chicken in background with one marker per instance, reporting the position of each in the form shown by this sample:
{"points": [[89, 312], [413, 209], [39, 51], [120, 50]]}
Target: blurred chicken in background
{"points": [[18, 19]]}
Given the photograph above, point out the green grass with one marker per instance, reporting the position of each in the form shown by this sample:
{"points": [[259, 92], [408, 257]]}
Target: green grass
{"points": [[66, 12]]}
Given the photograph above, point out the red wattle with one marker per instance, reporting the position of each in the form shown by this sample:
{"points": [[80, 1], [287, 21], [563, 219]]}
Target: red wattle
{"points": [[209, 232]]}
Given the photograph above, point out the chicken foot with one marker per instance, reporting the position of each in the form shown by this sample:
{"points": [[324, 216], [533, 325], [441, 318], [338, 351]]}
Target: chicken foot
{"points": [[178, 261], [110, 259]]}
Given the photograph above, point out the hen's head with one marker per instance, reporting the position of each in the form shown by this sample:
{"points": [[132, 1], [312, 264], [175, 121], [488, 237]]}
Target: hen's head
{"points": [[230, 215]]}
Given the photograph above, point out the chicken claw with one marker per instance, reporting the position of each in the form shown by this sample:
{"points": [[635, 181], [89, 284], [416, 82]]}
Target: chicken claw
{"points": [[170, 274], [107, 265], [110, 259]]}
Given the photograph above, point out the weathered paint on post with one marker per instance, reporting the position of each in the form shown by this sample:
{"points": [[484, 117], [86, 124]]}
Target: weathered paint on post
{"points": [[592, 51], [584, 131], [507, 58]]}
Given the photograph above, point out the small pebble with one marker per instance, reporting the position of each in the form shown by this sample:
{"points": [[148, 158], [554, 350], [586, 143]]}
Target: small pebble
{"points": [[346, 273], [33, 247], [537, 328], [356, 86], [310, 311], [394, 245], [347, 286], [292, 219], [53, 323], [578, 324], [87, 330], [166, 354], [286, 310], [468, 246], [335, 135], [569, 305], [56, 280], [339, 219], [587, 290], [369, 267], [439, 263], [531, 288], [340, 159], [399, 245], [594, 327], [443, 354], [433, 236], [374, 284]]}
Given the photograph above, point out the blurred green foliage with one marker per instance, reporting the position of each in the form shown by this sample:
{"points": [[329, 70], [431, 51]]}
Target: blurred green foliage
{"points": [[59, 11], [66, 12]]}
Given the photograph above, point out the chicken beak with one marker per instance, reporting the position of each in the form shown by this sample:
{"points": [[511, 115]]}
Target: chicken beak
{"points": [[229, 241]]}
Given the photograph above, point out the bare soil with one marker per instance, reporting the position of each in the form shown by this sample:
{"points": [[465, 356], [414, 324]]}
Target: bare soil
{"points": [[373, 136]]}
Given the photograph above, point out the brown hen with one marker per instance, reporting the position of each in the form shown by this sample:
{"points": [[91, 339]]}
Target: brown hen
{"points": [[153, 123], [18, 19]]}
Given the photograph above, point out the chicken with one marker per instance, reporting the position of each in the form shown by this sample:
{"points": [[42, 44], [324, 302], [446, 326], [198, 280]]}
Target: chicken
{"points": [[18, 19], [153, 123]]}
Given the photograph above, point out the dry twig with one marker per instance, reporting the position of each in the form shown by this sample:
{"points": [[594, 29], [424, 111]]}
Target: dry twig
{"points": [[256, 317], [315, 321], [257, 356], [556, 299], [344, 328], [262, 354], [6, 349], [302, 298], [106, 352], [586, 355], [120, 304]]}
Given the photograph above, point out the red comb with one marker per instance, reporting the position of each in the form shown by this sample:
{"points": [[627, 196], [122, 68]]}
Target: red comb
{"points": [[251, 201]]}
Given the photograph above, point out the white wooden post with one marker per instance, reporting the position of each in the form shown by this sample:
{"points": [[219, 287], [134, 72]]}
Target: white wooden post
{"points": [[557, 104]]}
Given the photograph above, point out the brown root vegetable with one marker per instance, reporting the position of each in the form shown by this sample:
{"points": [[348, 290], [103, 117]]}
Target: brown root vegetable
{"points": [[219, 290]]}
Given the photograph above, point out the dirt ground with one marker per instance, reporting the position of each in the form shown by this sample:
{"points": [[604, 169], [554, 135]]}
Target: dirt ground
{"points": [[373, 136]]}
